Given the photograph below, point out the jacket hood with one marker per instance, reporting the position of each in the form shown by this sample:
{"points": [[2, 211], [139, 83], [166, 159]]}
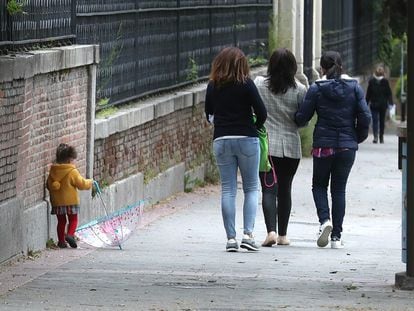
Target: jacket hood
{"points": [[336, 89], [58, 172]]}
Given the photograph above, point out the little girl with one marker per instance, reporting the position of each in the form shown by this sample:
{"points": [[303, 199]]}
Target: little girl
{"points": [[63, 183]]}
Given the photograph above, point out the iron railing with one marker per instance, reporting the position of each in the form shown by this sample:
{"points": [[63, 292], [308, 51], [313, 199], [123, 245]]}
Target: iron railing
{"points": [[351, 28], [145, 46], [38, 23], [150, 46]]}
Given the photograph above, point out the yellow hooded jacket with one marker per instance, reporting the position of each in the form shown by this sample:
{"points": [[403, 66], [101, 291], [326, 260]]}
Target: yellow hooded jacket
{"points": [[63, 183]]}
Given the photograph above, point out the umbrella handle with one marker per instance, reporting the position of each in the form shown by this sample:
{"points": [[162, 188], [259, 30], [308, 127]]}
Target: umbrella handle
{"points": [[98, 189], [99, 192]]}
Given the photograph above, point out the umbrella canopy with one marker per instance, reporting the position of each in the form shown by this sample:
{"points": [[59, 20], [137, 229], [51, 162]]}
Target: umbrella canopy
{"points": [[112, 229]]}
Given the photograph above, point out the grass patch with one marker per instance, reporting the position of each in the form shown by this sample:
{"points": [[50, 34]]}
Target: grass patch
{"points": [[106, 113]]}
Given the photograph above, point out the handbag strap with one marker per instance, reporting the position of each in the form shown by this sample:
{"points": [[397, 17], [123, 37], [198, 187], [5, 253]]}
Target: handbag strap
{"points": [[273, 174]]}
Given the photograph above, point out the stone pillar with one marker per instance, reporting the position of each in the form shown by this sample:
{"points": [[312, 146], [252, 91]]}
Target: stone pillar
{"points": [[317, 37], [289, 30], [300, 42], [286, 24]]}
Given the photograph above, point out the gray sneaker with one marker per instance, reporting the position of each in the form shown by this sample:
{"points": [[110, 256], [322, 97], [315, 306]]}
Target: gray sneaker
{"points": [[249, 243], [232, 245]]}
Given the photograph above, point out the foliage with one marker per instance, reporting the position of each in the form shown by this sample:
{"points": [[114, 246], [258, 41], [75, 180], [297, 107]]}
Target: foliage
{"points": [[256, 61], [192, 74], [395, 64], [393, 26], [397, 16], [103, 101], [108, 62], [51, 244], [15, 7], [191, 184], [397, 89], [385, 51], [106, 112]]}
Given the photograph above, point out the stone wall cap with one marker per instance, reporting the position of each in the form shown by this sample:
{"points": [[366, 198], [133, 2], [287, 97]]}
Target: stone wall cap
{"points": [[28, 64]]}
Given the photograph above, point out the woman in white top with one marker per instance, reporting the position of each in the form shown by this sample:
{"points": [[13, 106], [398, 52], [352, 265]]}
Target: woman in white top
{"points": [[282, 95]]}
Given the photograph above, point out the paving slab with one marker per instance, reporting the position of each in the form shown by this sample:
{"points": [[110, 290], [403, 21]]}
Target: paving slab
{"points": [[177, 261]]}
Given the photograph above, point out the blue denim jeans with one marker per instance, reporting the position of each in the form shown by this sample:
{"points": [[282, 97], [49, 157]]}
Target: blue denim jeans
{"points": [[336, 168], [232, 154]]}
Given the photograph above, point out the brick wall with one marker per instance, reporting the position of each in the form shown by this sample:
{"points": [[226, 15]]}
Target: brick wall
{"points": [[181, 136], [11, 97], [37, 114]]}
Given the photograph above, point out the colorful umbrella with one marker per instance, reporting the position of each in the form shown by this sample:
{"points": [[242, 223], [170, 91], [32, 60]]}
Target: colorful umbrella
{"points": [[112, 229]]}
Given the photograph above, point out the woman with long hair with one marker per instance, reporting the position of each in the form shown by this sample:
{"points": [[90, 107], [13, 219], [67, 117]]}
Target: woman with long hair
{"points": [[231, 100], [282, 95], [343, 122]]}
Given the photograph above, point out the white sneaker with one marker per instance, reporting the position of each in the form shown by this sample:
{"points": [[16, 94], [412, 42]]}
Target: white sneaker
{"points": [[324, 231], [337, 243]]}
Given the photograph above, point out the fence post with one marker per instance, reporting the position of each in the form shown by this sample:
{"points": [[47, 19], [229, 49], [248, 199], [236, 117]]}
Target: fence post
{"points": [[308, 40], [178, 41], [9, 26], [73, 20]]}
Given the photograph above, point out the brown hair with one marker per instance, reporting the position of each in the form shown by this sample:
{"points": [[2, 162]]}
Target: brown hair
{"points": [[64, 153], [281, 71], [230, 65]]}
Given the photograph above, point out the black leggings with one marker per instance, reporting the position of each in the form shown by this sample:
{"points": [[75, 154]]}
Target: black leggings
{"points": [[285, 170]]}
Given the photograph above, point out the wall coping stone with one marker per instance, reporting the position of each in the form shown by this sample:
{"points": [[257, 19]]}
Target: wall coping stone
{"points": [[29, 64], [143, 111]]}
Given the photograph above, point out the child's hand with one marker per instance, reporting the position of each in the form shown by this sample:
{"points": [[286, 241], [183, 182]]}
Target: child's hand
{"points": [[96, 186]]}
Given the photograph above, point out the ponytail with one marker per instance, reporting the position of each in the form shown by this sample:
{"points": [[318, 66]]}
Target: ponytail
{"points": [[331, 62]]}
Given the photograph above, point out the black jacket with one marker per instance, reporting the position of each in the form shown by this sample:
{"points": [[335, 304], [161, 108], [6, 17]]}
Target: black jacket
{"points": [[379, 94], [232, 106]]}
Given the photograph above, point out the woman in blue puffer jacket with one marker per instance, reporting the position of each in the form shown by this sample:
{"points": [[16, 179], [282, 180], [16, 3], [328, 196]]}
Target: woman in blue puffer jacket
{"points": [[343, 120]]}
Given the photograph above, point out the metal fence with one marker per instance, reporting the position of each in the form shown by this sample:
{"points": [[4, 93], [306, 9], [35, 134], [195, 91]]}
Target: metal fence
{"points": [[150, 46], [351, 28], [37, 23], [145, 46]]}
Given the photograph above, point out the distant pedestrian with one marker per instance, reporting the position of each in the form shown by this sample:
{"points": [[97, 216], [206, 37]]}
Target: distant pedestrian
{"points": [[231, 99], [342, 123], [379, 98], [63, 183], [282, 95]]}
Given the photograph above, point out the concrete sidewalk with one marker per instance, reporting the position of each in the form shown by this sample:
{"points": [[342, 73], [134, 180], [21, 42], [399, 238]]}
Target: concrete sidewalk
{"points": [[178, 262]]}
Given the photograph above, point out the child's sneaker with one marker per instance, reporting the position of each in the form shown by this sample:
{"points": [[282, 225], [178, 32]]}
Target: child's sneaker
{"points": [[62, 245], [232, 245], [336, 243], [249, 243], [71, 240], [324, 231]]}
